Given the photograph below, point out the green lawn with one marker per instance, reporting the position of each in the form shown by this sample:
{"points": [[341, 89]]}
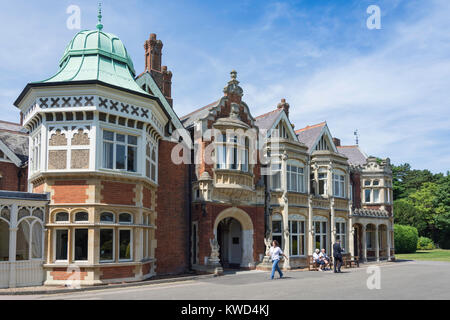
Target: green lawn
{"points": [[430, 255]]}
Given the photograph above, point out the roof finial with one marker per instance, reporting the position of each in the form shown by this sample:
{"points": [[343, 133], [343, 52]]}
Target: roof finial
{"points": [[99, 24], [233, 74]]}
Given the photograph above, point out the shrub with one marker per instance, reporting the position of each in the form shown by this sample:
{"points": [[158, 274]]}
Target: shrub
{"points": [[425, 243], [405, 238]]}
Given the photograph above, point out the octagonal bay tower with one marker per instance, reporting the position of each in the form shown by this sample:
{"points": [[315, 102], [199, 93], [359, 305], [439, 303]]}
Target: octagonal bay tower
{"points": [[98, 145]]}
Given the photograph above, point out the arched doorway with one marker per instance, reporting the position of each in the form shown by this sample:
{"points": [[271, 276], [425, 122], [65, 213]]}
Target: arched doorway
{"points": [[235, 225], [229, 237]]}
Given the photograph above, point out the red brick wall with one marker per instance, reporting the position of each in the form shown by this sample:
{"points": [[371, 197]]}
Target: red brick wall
{"points": [[70, 191], [38, 188], [118, 193], [146, 269], [9, 177], [147, 198], [62, 274], [117, 272], [356, 181], [172, 208]]}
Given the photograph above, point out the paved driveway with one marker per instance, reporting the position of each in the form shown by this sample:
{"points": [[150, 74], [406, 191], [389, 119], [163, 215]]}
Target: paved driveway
{"points": [[400, 280]]}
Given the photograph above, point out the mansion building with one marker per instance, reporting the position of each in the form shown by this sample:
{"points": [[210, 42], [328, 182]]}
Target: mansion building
{"points": [[108, 203]]}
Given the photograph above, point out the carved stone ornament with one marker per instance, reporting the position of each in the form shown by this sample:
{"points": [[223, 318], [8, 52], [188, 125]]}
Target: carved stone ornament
{"points": [[214, 249]]}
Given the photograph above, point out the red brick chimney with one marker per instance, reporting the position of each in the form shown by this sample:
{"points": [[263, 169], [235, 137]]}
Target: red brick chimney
{"points": [[337, 142], [283, 104], [153, 58]]}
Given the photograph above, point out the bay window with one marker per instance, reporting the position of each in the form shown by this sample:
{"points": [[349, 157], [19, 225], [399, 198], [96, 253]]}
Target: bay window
{"points": [[61, 239], [106, 245], [151, 161], [275, 177], [119, 151], [125, 246], [81, 245], [295, 178], [339, 185], [323, 180]]}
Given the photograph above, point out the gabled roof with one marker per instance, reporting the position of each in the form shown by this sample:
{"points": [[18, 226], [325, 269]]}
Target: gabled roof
{"points": [[310, 134], [189, 119], [14, 142], [267, 120], [354, 154]]}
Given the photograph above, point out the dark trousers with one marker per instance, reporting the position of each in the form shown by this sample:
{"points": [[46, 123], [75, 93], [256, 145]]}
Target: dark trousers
{"points": [[337, 264]]}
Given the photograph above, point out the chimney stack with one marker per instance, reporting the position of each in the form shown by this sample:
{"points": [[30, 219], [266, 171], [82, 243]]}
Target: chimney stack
{"points": [[284, 105], [153, 59], [337, 142], [153, 53]]}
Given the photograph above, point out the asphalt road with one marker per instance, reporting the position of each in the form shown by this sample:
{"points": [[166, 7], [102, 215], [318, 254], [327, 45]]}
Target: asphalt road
{"points": [[401, 280]]}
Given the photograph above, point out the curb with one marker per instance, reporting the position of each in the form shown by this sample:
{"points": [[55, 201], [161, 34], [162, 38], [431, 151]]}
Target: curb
{"points": [[110, 286]]}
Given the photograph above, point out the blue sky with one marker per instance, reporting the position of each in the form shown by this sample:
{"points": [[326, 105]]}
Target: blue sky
{"points": [[392, 84]]}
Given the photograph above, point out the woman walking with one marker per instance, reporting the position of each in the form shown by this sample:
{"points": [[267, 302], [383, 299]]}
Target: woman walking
{"points": [[275, 253]]}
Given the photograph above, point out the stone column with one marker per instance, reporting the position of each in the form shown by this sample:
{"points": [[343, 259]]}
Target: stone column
{"points": [[285, 201], [364, 242], [12, 245], [330, 180], [388, 242], [333, 223], [377, 244], [351, 237], [310, 231]]}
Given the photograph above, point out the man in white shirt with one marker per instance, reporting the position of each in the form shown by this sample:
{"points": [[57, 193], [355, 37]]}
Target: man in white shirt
{"points": [[323, 257], [275, 253]]}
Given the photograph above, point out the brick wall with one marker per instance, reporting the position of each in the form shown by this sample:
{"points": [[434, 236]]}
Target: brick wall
{"points": [[172, 208], [147, 198], [9, 177], [70, 191], [356, 181], [62, 274], [118, 193], [117, 272]]}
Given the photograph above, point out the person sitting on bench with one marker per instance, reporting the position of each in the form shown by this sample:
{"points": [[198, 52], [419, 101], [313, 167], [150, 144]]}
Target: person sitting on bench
{"points": [[318, 260], [325, 258]]}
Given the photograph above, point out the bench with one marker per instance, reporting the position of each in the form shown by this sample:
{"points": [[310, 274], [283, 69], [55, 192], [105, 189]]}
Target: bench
{"points": [[349, 261], [312, 265]]}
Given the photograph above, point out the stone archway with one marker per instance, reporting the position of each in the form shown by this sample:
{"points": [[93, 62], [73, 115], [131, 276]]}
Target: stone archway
{"points": [[246, 225]]}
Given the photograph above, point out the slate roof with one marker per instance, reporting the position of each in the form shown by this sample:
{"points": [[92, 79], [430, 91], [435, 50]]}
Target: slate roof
{"points": [[266, 121], [189, 119], [354, 154], [14, 136], [309, 134]]}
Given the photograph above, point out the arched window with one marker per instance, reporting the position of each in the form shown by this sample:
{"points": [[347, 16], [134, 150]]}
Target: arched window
{"points": [[125, 218], [4, 240], [36, 241], [81, 217], [29, 240], [107, 217], [62, 216]]}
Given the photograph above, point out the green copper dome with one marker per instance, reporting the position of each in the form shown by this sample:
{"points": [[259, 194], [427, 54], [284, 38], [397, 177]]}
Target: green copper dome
{"points": [[96, 55]]}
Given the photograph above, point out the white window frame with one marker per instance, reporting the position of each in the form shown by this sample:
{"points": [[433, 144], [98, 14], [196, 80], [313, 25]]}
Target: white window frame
{"points": [[153, 147], [341, 231], [131, 244], [54, 245], [299, 234], [299, 177], [338, 184], [321, 220], [113, 245], [325, 185], [278, 218], [275, 175], [115, 143], [73, 245]]}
